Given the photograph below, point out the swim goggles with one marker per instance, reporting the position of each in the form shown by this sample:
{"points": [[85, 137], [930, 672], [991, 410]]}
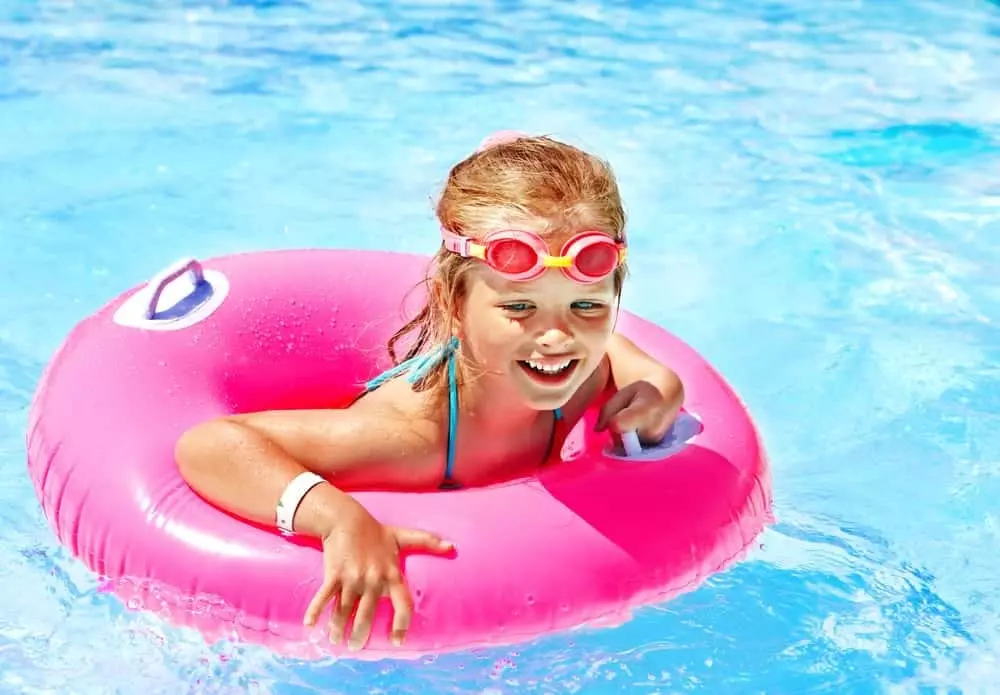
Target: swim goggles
{"points": [[517, 255]]}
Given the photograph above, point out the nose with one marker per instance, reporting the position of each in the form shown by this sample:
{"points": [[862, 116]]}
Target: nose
{"points": [[556, 339]]}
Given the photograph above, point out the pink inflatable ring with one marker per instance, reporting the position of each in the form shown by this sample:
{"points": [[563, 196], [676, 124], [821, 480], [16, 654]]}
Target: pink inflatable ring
{"points": [[582, 543]]}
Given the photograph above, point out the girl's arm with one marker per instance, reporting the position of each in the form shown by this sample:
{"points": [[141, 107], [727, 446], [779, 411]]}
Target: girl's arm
{"points": [[650, 394], [630, 363], [243, 463]]}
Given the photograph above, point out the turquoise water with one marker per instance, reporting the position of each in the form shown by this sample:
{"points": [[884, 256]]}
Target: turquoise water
{"points": [[814, 204]]}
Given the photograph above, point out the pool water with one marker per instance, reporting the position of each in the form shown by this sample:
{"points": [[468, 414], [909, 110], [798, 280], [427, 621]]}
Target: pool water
{"points": [[814, 204]]}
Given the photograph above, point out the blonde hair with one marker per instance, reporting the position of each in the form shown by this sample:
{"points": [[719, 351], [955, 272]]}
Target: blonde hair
{"points": [[521, 177]]}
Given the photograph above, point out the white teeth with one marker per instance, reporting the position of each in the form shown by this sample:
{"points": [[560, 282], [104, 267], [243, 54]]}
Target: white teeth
{"points": [[548, 368]]}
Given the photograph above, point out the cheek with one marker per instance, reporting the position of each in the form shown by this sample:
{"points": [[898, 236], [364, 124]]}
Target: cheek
{"points": [[597, 332], [491, 340]]}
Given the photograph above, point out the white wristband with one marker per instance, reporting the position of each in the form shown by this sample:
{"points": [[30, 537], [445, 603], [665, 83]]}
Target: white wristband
{"points": [[291, 498]]}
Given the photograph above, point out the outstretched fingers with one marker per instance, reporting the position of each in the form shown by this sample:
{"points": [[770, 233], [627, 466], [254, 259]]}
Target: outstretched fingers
{"points": [[402, 610], [322, 597]]}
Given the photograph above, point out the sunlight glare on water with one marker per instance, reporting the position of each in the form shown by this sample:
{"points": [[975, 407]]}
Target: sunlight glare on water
{"points": [[814, 204]]}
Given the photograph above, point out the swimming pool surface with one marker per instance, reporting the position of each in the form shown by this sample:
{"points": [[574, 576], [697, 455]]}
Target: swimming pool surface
{"points": [[814, 198]]}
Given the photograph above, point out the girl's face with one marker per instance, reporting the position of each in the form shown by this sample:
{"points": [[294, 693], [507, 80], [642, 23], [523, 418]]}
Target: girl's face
{"points": [[540, 339]]}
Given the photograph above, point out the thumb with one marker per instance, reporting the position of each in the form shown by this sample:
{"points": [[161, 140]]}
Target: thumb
{"points": [[417, 539]]}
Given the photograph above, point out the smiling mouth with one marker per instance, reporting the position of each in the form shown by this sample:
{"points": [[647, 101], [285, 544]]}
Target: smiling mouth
{"points": [[549, 373]]}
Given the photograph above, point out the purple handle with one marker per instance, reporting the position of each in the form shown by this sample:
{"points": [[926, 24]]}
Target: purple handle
{"points": [[168, 275]]}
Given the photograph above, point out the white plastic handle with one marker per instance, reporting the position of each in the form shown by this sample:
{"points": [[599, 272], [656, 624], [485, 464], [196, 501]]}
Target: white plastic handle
{"points": [[630, 441]]}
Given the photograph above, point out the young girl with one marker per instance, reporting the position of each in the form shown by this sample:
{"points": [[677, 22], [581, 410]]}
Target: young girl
{"points": [[515, 343]]}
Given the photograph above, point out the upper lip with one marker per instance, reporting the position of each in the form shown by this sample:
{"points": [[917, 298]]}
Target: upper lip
{"points": [[550, 359]]}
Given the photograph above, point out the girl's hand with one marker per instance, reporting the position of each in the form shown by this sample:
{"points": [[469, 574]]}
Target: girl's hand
{"points": [[639, 406], [360, 566]]}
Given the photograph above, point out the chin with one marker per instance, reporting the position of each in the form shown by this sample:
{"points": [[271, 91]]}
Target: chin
{"points": [[548, 391], [547, 402]]}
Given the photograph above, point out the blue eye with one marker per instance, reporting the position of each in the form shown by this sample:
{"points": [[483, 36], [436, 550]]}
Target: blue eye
{"points": [[587, 306], [517, 307]]}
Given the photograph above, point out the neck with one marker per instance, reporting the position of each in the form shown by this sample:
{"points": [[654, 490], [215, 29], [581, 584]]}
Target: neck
{"points": [[494, 408]]}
